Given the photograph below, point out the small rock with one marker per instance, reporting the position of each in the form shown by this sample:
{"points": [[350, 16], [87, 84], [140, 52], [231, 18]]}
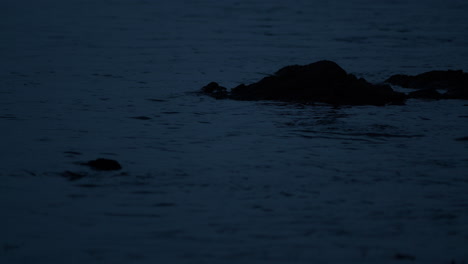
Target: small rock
{"points": [[215, 90], [103, 164]]}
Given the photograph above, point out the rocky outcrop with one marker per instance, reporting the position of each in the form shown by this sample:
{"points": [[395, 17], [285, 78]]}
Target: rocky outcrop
{"points": [[455, 84], [322, 81]]}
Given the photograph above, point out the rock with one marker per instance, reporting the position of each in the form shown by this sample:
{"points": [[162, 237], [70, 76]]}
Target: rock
{"points": [[215, 90], [429, 93], [454, 82], [103, 164], [322, 81]]}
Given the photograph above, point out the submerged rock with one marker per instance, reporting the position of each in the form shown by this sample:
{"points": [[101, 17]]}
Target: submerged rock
{"points": [[455, 83], [103, 164], [73, 176], [322, 81]]}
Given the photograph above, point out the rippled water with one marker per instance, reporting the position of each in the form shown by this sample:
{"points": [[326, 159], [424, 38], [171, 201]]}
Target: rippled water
{"points": [[219, 181]]}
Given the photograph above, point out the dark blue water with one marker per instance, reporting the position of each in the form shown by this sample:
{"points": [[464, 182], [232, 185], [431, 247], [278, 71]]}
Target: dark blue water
{"points": [[218, 181]]}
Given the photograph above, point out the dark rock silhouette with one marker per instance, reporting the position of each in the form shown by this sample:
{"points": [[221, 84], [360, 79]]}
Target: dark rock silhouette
{"points": [[322, 81], [215, 90], [454, 82], [429, 93], [103, 164]]}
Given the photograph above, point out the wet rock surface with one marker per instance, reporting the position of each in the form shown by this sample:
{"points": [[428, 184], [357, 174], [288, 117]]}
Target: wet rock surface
{"points": [[455, 83], [322, 81]]}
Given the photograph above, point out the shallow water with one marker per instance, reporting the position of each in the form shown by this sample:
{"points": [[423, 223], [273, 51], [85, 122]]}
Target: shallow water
{"points": [[219, 181]]}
